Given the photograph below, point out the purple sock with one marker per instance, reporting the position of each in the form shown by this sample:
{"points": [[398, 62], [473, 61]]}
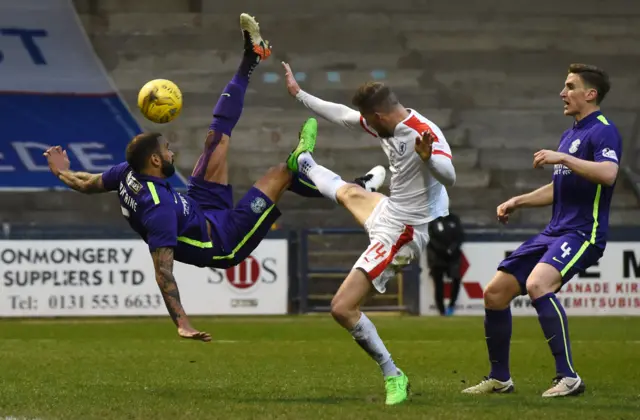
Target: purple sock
{"points": [[227, 112], [553, 321], [303, 186], [497, 333]]}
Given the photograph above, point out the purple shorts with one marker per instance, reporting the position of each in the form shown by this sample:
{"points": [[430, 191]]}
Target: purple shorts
{"points": [[570, 253], [238, 230]]}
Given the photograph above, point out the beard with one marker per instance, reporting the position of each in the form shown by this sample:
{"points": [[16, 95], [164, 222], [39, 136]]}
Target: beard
{"points": [[167, 168]]}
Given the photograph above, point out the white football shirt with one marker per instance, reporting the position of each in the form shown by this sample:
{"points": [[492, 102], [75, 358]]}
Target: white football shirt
{"points": [[416, 196]]}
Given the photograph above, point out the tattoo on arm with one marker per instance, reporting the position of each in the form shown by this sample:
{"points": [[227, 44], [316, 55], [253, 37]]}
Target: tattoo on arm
{"points": [[163, 262], [83, 182]]}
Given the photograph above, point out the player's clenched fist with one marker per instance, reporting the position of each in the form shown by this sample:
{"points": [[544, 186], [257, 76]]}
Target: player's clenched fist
{"points": [[505, 209], [547, 157], [290, 80]]}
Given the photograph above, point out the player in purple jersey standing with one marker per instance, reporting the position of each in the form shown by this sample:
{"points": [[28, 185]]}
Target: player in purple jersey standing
{"points": [[203, 227], [585, 168]]}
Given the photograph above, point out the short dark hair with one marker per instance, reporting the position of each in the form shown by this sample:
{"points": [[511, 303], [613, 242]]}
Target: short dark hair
{"points": [[594, 77], [373, 97], [140, 148]]}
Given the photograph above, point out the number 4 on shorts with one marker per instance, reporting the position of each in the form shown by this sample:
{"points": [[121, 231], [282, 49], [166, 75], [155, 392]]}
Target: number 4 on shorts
{"points": [[566, 250]]}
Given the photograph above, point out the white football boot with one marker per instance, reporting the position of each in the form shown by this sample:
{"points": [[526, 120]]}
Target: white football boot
{"points": [[565, 387], [373, 180], [491, 386], [252, 39]]}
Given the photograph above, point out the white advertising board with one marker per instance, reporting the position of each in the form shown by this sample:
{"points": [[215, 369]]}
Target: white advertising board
{"points": [[612, 287], [116, 278]]}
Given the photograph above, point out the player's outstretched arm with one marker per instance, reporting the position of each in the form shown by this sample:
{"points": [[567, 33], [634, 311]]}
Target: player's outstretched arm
{"points": [[330, 111], [83, 182], [541, 197], [80, 181], [163, 263]]}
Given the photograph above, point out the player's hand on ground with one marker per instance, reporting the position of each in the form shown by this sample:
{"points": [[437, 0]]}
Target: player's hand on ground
{"points": [[546, 157], [424, 145], [57, 159], [292, 84], [505, 209], [193, 334]]}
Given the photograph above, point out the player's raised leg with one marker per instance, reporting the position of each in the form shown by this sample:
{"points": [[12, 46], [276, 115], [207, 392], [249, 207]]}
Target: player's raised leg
{"points": [[345, 309], [212, 164], [359, 201], [279, 178], [242, 228]]}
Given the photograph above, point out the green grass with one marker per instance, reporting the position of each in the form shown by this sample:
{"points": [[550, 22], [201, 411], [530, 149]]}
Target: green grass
{"points": [[302, 368]]}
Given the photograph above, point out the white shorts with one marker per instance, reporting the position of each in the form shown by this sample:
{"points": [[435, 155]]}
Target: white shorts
{"points": [[392, 246]]}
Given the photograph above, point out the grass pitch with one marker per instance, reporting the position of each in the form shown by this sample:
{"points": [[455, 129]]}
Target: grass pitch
{"points": [[302, 368]]}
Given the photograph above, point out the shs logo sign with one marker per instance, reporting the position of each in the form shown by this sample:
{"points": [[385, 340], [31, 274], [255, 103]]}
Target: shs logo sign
{"points": [[248, 275], [258, 285]]}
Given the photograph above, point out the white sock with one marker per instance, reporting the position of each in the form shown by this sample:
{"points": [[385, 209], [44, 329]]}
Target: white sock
{"points": [[366, 335], [328, 182]]}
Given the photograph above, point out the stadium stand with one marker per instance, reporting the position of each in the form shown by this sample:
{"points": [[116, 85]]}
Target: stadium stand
{"points": [[489, 76]]}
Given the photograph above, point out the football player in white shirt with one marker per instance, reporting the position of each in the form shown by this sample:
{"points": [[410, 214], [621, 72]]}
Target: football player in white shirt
{"points": [[421, 168]]}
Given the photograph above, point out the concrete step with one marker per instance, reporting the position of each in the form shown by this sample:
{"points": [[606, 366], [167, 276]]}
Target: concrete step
{"points": [[331, 242], [59, 200], [475, 198], [474, 41], [509, 159], [465, 158], [523, 179], [231, 40], [343, 259], [258, 118], [472, 178], [338, 217], [550, 63], [263, 95], [527, 129], [517, 25], [489, 8], [168, 7], [214, 80], [156, 22], [624, 217], [501, 89], [479, 217], [293, 202]]}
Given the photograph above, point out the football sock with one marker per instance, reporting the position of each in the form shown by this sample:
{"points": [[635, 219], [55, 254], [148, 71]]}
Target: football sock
{"points": [[497, 333], [250, 61], [553, 321], [227, 111], [328, 182], [366, 335], [226, 115]]}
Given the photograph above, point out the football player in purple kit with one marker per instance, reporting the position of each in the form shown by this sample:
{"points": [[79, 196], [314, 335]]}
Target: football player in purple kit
{"points": [[203, 227], [584, 176]]}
